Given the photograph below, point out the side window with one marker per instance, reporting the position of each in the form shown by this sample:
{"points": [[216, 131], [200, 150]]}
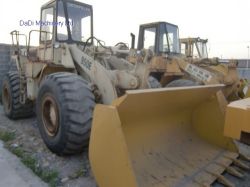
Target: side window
{"points": [[47, 17], [149, 38], [166, 42], [86, 28], [171, 42], [202, 47], [184, 49], [195, 52]]}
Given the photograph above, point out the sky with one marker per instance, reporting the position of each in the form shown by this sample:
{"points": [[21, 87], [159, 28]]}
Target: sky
{"points": [[225, 23]]}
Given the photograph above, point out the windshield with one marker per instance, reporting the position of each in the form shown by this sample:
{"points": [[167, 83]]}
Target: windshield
{"points": [[169, 39], [47, 29], [79, 22], [149, 38]]}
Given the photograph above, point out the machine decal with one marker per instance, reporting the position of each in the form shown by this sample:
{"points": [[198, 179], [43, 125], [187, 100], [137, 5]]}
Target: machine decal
{"points": [[199, 73], [86, 63]]}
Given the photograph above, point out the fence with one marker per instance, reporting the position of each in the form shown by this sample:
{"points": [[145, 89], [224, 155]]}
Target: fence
{"points": [[244, 73]]}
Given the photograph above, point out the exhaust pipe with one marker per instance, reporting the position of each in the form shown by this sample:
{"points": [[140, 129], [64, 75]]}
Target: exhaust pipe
{"points": [[132, 40]]}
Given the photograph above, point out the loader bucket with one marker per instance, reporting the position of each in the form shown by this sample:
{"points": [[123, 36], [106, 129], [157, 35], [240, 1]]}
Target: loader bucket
{"points": [[237, 122], [160, 137]]}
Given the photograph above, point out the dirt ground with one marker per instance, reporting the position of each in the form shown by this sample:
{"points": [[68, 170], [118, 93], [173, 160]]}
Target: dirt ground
{"points": [[74, 171]]}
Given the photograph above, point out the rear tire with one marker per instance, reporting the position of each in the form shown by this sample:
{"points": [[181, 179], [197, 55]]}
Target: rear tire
{"points": [[11, 98], [182, 83], [65, 106]]}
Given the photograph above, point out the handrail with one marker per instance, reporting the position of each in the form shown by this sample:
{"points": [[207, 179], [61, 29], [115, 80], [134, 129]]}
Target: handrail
{"points": [[17, 34], [40, 31]]}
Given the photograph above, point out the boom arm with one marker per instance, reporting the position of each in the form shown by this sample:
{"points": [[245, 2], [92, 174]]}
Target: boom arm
{"points": [[105, 80]]}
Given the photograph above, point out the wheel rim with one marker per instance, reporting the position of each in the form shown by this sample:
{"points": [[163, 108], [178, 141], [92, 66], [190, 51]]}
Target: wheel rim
{"points": [[6, 99], [50, 115]]}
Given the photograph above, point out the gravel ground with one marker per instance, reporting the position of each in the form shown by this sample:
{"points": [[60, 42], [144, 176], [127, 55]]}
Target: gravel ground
{"points": [[13, 173], [75, 170]]}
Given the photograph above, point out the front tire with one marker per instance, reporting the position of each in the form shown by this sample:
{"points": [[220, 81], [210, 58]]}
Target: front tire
{"points": [[65, 106]]}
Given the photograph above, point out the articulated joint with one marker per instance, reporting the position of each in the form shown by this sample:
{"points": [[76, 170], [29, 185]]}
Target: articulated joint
{"points": [[123, 79]]}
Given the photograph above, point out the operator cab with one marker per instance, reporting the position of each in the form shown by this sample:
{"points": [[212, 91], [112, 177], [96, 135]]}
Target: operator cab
{"points": [[194, 47], [66, 21], [160, 37]]}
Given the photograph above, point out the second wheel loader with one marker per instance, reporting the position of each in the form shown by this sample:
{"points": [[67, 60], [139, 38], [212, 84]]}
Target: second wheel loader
{"points": [[142, 152], [139, 137], [159, 48], [194, 47]]}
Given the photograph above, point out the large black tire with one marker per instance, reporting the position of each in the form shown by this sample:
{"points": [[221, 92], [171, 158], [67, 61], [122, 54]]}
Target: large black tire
{"points": [[64, 108], [11, 98], [153, 82], [182, 83]]}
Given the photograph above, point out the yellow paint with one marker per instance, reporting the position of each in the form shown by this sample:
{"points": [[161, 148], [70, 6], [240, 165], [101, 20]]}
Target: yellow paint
{"points": [[237, 118], [248, 93], [160, 137], [108, 150]]}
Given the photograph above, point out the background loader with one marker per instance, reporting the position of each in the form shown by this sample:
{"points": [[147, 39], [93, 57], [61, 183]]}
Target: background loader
{"points": [[194, 47], [159, 47], [197, 48], [139, 137]]}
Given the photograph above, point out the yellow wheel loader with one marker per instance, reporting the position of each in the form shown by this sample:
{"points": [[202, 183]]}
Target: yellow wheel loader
{"points": [[165, 137], [159, 48], [139, 137], [194, 47], [195, 50], [65, 76]]}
